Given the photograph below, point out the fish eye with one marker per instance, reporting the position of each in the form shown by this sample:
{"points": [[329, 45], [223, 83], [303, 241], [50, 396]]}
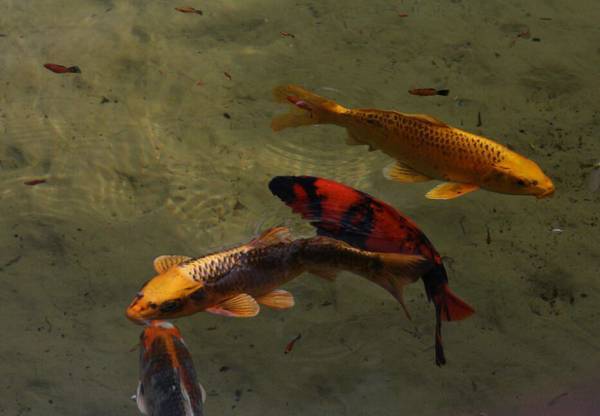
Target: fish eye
{"points": [[521, 182], [171, 305], [534, 183]]}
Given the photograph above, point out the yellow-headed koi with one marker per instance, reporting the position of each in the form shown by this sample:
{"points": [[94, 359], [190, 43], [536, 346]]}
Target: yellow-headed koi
{"points": [[424, 148], [233, 282]]}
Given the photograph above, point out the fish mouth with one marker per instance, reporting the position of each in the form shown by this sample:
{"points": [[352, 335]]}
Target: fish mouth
{"points": [[546, 193], [134, 314]]}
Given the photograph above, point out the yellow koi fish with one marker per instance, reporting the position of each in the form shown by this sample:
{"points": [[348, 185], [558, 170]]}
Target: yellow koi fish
{"points": [[424, 148]]}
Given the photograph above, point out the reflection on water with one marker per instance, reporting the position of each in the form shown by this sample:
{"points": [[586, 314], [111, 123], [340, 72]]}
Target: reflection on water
{"points": [[153, 150]]}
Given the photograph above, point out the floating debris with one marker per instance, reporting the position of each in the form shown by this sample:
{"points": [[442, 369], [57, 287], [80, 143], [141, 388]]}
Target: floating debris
{"points": [[557, 230], [424, 92], [34, 182], [61, 69], [287, 34], [290, 345], [188, 9], [402, 14], [479, 124]]}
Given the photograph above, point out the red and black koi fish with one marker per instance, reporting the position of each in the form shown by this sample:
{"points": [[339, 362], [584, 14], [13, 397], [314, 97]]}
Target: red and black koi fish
{"points": [[341, 212], [61, 69], [168, 384]]}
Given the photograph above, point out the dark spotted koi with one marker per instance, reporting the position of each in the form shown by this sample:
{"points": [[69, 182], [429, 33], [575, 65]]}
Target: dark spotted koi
{"points": [[341, 212], [167, 380]]}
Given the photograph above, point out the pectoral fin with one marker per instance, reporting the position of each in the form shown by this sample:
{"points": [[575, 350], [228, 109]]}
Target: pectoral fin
{"points": [[400, 172], [327, 274], [277, 299], [451, 190], [240, 306], [164, 263]]}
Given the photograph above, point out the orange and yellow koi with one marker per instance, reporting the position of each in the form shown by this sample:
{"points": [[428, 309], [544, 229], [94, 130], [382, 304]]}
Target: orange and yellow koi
{"points": [[424, 148]]}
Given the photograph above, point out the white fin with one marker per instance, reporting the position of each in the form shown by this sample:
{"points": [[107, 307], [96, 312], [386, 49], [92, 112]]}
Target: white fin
{"points": [[240, 306], [277, 299], [451, 190], [203, 392], [139, 398], [400, 172], [164, 263], [187, 401], [275, 235]]}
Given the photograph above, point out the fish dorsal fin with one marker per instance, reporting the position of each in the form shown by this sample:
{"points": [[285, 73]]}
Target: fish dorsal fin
{"points": [[450, 190], [277, 299], [275, 235], [427, 119], [400, 172], [164, 263], [240, 306]]}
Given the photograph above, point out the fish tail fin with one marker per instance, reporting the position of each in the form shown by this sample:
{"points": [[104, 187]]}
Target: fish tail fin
{"points": [[440, 357], [443, 92], [309, 108], [452, 307]]}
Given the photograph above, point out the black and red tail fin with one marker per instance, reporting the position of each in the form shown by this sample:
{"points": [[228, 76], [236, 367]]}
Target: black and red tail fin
{"points": [[341, 212]]}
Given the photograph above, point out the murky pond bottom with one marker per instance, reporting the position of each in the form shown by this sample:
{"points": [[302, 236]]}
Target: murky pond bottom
{"points": [[162, 145]]}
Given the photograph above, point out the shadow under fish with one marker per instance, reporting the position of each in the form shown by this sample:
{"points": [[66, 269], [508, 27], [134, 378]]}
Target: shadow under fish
{"points": [[341, 212], [167, 379]]}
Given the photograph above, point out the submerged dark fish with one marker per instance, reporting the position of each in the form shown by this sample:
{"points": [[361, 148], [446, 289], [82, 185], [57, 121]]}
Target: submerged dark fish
{"points": [[233, 282], [341, 212], [168, 384]]}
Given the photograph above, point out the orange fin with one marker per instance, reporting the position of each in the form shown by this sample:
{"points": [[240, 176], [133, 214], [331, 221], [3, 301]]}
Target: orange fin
{"points": [[454, 308], [164, 263], [400, 172], [275, 235], [451, 190], [240, 306], [277, 299]]}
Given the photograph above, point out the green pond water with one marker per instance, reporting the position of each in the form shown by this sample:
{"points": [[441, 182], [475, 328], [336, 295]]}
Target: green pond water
{"points": [[140, 160]]}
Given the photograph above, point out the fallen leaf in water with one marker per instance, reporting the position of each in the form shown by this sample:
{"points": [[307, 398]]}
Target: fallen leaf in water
{"points": [[34, 182], [188, 9], [290, 345]]}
